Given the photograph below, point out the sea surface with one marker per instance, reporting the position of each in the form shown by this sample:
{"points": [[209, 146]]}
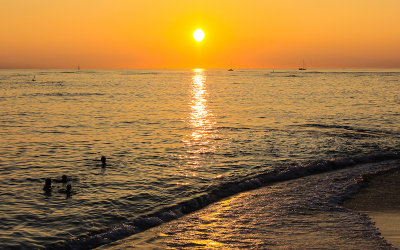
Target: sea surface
{"points": [[175, 141]]}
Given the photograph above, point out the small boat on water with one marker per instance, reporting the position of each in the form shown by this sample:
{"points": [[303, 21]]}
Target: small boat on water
{"points": [[34, 78], [304, 67], [231, 69]]}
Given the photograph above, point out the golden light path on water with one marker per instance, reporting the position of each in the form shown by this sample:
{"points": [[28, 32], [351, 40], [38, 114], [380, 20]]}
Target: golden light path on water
{"points": [[199, 141]]}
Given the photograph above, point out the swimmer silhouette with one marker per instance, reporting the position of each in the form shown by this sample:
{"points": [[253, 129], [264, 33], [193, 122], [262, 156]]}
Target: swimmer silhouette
{"points": [[67, 191], [103, 161], [64, 179], [47, 186]]}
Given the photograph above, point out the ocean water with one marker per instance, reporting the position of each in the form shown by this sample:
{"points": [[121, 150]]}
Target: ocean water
{"points": [[174, 140]]}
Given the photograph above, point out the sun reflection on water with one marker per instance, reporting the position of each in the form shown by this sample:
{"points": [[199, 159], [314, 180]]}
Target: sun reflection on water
{"points": [[199, 141], [200, 116]]}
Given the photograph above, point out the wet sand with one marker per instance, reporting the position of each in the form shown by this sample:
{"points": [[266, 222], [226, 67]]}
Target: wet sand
{"points": [[380, 200]]}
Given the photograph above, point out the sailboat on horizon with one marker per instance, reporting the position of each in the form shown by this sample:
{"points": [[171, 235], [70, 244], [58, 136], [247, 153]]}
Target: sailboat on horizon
{"points": [[304, 67], [231, 69]]}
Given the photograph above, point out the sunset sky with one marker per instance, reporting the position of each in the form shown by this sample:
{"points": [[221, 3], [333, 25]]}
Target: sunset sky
{"points": [[158, 34]]}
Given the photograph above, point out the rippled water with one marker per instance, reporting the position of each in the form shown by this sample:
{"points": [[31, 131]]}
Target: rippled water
{"points": [[304, 213], [170, 135]]}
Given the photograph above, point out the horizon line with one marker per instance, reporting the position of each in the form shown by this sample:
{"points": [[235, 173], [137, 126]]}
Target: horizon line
{"points": [[178, 68]]}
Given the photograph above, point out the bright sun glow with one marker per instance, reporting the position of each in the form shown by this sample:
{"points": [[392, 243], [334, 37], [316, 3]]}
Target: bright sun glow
{"points": [[198, 35]]}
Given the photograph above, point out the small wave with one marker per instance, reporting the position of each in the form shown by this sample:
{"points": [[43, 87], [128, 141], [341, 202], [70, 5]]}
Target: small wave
{"points": [[215, 194], [49, 132], [284, 74], [52, 82], [232, 128], [64, 94], [139, 73], [359, 130], [129, 122], [19, 74], [356, 73]]}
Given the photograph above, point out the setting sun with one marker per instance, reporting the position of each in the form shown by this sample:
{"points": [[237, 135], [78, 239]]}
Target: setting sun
{"points": [[198, 35]]}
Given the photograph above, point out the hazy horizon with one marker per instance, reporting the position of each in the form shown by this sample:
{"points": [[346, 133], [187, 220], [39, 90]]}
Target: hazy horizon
{"points": [[260, 68]]}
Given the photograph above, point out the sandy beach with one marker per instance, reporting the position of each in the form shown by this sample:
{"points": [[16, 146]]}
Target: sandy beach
{"points": [[380, 200]]}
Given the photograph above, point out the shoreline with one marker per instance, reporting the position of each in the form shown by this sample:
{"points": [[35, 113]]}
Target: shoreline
{"points": [[299, 213], [225, 191], [379, 198], [222, 192]]}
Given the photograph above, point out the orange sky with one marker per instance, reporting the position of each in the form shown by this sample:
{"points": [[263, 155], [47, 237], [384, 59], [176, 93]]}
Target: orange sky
{"points": [[158, 34]]}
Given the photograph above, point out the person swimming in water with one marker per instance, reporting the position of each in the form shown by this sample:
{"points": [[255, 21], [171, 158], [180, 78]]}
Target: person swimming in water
{"points": [[47, 186], [64, 179], [103, 161], [67, 190]]}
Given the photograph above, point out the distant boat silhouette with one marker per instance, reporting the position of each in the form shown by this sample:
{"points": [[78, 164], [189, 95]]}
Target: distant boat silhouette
{"points": [[304, 67], [34, 78], [231, 69]]}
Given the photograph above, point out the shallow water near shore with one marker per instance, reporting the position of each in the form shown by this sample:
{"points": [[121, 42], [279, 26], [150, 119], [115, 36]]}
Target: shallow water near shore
{"points": [[304, 213], [171, 136]]}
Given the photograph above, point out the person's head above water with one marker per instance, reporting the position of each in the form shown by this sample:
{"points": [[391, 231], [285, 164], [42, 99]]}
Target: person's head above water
{"points": [[47, 185], [64, 179], [68, 191], [47, 182], [103, 160]]}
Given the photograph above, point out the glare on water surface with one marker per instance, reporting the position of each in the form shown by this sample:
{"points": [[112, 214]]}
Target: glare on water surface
{"points": [[199, 142]]}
